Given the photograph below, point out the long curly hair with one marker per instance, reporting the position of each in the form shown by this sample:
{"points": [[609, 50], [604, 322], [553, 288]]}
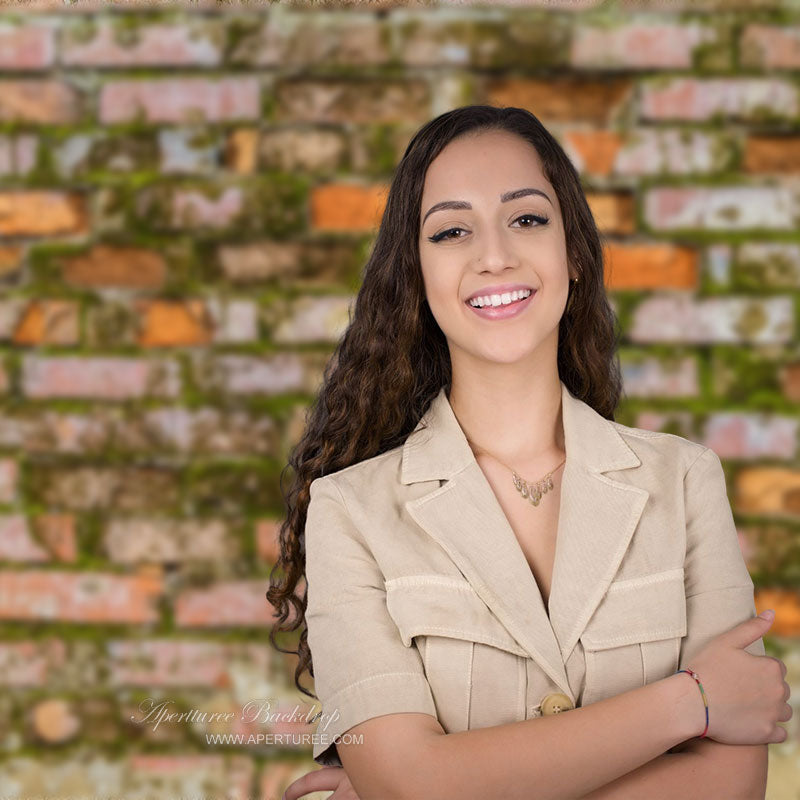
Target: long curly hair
{"points": [[393, 358]]}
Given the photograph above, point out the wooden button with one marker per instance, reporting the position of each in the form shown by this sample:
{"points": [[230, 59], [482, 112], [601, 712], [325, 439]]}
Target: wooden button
{"points": [[556, 703]]}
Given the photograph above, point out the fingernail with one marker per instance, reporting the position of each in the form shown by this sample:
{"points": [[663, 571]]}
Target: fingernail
{"points": [[768, 614]]}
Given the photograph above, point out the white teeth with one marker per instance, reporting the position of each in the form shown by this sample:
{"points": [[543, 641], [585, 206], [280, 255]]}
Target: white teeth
{"points": [[499, 299]]}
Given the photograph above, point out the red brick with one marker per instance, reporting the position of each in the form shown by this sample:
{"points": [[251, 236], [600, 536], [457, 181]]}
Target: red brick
{"points": [[107, 378], [236, 374], [180, 100], [18, 154], [720, 208], [225, 604], [41, 595], [656, 377], [638, 45], [42, 213], [179, 662], [16, 542], [9, 474], [112, 265], [770, 46], [31, 663], [703, 98], [39, 101], [196, 209], [347, 207], [28, 46], [655, 151], [745, 435], [192, 42], [650, 266], [678, 317]]}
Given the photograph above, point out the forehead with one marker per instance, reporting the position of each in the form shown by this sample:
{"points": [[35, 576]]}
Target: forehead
{"points": [[489, 163]]}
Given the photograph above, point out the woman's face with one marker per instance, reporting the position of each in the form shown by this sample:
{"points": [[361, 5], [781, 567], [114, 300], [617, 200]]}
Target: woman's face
{"points": [[491, 245]]}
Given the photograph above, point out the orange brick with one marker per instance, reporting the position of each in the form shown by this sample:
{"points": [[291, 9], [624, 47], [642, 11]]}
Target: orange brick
{"points": [[169, 323], [790, 381], [570, 98], [42, 213], [347, 207], [777, 154], [241, 151], [597, 149], [612, 211], [267, 539], [786, 604], [48, 322], [77, 596], [57, 533], [10, 258], [227, 603], [650, 266], [768, 490], [107, 265]]}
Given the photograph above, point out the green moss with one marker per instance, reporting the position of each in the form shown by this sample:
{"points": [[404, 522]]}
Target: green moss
{"points": [[81, 31], [243, 39]]}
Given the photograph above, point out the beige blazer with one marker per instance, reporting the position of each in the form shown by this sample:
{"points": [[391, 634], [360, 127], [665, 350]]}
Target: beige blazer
{"points": [[421, 599]]}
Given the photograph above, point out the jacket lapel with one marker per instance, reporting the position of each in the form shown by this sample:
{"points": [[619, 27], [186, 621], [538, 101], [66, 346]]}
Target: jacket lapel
{"points": [[597, 518]]}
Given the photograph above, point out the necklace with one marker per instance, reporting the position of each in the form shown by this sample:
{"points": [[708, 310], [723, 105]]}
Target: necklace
{"points": [[531, 491]]}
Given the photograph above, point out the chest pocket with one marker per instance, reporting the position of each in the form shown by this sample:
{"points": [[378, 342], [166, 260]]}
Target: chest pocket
{"points": [[634, 636], [475, 668]]}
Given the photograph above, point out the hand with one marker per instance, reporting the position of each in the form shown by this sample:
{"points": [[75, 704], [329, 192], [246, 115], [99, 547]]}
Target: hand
{"points": [[747, 694], [322, 780]]}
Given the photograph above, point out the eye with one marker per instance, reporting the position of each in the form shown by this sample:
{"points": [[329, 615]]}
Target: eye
{"points": [[541, 220]]}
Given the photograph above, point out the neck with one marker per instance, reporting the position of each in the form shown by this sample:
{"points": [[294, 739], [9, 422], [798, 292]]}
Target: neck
{"points": [[518, 423]]}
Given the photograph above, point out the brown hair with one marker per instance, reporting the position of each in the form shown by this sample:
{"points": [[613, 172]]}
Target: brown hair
{"points": [[393, 358]]}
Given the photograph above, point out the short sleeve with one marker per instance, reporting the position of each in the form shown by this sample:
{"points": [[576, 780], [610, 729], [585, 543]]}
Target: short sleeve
{"points": [[719, 589], [362, 669]]}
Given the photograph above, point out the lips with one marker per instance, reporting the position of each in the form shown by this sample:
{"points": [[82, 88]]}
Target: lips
{"points": [[503, 311]]}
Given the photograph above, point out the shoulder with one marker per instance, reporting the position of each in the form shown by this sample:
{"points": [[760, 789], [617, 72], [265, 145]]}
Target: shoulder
{"points": [[662, 450], [374, 474]]}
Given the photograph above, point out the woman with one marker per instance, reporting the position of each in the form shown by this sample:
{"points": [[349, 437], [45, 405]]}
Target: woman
{"points": [[482, 544]]}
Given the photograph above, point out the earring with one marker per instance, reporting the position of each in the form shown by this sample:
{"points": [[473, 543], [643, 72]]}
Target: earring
{"points": [[573, 281]]}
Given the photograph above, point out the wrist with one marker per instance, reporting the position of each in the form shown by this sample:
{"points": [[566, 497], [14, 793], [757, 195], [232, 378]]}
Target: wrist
{"points": [[689, 711]]}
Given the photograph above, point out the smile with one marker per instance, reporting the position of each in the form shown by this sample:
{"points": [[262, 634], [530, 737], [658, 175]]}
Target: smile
{"points": [[501, 306]]}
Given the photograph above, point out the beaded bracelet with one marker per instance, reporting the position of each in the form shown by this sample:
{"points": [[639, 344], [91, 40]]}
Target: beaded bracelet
{"points": [[696, 677]]}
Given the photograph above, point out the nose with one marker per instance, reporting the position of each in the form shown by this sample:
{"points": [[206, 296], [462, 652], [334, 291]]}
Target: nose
{"points": [[494, 252]]}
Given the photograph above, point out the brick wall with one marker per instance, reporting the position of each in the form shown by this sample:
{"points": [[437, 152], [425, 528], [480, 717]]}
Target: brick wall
{"points": [[187, 194]]}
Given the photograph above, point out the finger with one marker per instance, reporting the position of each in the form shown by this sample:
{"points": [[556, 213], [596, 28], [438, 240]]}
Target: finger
{"points": [[320, 780]]}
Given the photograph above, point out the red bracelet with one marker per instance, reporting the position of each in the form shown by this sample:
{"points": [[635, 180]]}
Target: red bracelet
{"points": [[696, 677]]}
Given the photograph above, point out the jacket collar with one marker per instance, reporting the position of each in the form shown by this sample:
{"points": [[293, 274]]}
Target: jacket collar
{"points": [[597, 517]]}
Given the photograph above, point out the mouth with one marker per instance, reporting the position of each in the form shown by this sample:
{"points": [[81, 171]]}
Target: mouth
{"points": [[501, 306]]}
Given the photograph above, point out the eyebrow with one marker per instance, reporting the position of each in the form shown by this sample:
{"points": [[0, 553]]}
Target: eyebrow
{"points": [[459, 205]]}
